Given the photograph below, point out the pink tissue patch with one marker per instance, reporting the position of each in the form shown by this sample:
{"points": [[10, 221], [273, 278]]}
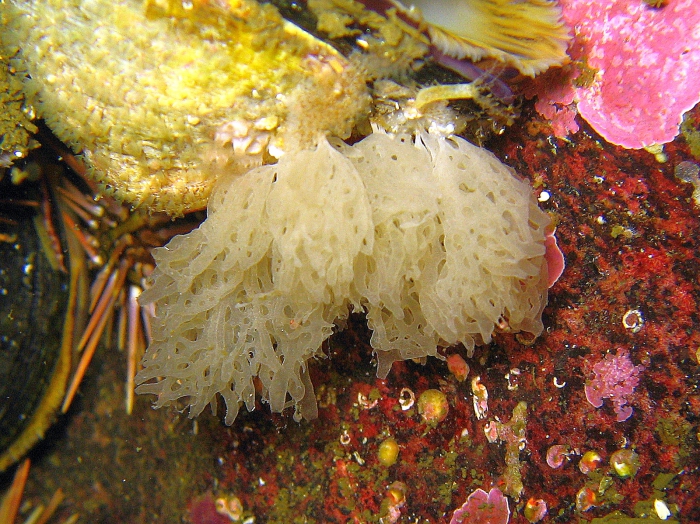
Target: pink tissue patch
{"points": [[483, 508], [554, 258], [555, 96], [648, 69], [615, 379], [202, 510]]}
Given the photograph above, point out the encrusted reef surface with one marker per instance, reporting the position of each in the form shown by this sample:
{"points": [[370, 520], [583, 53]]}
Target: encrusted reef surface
{"points": [[598, 420], [628, 228]]}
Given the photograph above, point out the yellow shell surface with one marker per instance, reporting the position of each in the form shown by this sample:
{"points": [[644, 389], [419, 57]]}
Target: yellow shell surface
{"points": [[162, 96]]}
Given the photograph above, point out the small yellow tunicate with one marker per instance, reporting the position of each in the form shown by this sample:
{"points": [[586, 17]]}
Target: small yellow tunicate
{"points": [[231, 507], [589, 462], [433, 406], [658, 151], [625, 462], [388, 452], [535, 510], [586, 499]]}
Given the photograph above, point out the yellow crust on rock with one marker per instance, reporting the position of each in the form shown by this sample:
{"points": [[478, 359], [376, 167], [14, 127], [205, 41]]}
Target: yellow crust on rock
{"points": [[161, 98]]}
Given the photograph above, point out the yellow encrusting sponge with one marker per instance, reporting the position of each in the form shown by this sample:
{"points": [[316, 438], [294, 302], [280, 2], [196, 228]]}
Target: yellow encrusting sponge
{"points": [[160, 98]]}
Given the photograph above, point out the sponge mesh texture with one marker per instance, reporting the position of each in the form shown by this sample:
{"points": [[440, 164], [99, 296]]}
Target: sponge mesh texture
{"points": [[434, 238]]}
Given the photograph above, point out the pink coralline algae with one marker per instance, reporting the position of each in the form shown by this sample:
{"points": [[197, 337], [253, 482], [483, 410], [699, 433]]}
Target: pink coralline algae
{"points": [[554, 257], [645, 63], [483, 508], [615, 379], [557, 455]]}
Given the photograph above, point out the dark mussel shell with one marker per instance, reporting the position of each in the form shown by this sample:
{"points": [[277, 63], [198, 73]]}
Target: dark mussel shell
{"points": [[35, 300]]}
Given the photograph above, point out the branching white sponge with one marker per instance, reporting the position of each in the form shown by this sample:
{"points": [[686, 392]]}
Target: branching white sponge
{"points": [[434, 238]]}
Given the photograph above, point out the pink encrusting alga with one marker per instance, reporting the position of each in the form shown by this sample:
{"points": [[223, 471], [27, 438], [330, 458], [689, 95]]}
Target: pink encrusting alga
{"points": [[615, 379], [483, 508], [645, 68]]}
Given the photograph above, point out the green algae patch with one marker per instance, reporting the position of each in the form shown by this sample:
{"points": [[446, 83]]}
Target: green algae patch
{"points": [[617, 517]]}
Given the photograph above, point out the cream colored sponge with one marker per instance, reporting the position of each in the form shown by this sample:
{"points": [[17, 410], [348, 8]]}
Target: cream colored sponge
{"points": [[434, 238]]}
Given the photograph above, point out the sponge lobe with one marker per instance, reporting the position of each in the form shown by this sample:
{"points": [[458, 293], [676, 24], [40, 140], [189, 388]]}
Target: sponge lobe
{"points": [[458, 247], [434, 238]]}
